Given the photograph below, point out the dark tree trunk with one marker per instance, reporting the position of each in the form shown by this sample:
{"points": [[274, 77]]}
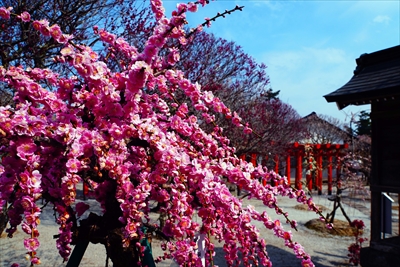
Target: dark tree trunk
{"points": [[119, 255], [107, 230], [337, 204], [3, 221]]}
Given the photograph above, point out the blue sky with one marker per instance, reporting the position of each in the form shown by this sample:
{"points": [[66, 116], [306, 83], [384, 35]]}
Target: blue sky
{"points": [[309, 47]]}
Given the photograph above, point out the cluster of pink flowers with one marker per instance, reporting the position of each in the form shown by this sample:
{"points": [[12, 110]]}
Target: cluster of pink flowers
{"points": [[127, 128], [5, 12], [53, 31], [355, 248]]}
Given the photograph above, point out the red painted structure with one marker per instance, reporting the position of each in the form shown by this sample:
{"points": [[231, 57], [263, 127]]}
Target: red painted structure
{"points": [[314, 154]]}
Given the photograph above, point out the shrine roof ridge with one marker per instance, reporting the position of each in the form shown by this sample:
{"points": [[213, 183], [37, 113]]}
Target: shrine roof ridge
{"points": [[377, 76]]}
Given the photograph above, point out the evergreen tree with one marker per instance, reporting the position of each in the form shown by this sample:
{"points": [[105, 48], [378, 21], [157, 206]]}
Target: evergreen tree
{"points": [[364, 123]]}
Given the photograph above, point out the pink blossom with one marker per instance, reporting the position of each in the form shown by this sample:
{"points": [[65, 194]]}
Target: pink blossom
{"points": [[236, 119], [34, 181], [106, 36], [67, 51], [65, 38], [218, 106], [156, 40], [35, 261], [247, 130], [184, 84], [42, 26], [173, 56], [73, 165], [208, 22], [182, 7], [56, 32], [307, 263], [5, 12], [183, 40], [32, 219], [31, 244], [182, 111], [158, 9], [192, 7], [203, 2], [25, 16], [26, 149], [200, 107], [36, 25], [26, 228], [138, 76], [27, 203]]}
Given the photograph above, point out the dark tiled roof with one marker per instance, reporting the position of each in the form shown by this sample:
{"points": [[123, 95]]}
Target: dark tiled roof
{"points": [[377, 76]]}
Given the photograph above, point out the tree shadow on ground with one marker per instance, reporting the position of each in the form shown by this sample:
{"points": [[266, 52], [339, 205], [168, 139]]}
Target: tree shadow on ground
{"points": [[282, 258], [340, 261]]}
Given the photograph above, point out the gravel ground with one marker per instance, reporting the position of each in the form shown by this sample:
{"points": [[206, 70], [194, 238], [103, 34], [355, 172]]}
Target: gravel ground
{"points": [[325, 250]]}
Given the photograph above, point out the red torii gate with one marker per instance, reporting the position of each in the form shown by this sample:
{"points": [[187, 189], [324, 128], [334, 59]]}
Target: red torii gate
{"points": [[316, 151]]}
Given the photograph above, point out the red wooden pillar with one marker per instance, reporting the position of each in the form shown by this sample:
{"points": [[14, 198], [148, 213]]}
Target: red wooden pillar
{"points": [[319, 173], [298, 170], [254, 159], [330, 174], [288, 169], [85, 190]]}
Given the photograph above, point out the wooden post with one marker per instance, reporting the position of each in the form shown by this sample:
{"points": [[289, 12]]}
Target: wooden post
{"points": [[298, 170], [288, 169], [319, 173], [77, 253], [330, 174], [376, 213]]}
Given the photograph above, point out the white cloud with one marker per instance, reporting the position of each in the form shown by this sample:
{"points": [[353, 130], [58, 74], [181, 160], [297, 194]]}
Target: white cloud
{"points": [[382, 19], [313, 58], [287, 60], [326, 55]]}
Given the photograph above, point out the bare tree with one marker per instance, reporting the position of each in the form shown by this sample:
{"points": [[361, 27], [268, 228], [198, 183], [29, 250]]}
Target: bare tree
{"points": [[276, 126], [324, 129], [21, 44]]}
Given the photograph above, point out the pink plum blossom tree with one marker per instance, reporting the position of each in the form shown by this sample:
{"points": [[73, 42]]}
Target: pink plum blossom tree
{"points": [[125, 134]]}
